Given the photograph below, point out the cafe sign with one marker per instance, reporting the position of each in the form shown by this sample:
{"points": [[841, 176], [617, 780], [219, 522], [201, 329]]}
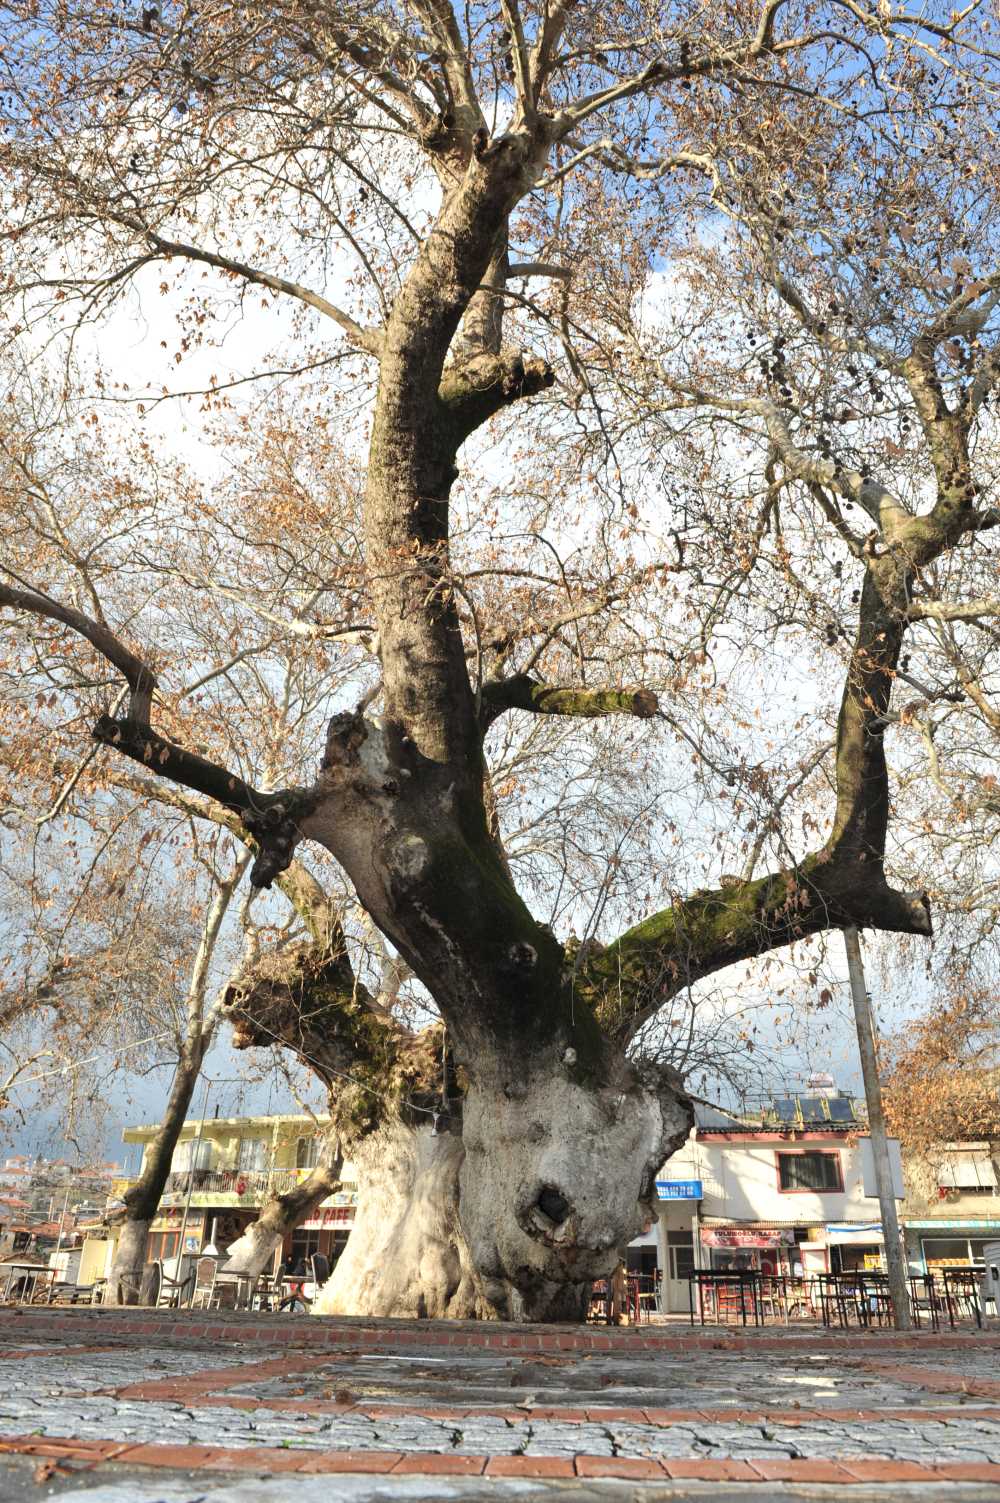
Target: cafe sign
{"points": [[739, 1236], [327, 1216]]}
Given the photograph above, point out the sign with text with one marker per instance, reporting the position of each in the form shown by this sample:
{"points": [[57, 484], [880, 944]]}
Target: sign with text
{"points": [[679, 1189], [740, 1236]]}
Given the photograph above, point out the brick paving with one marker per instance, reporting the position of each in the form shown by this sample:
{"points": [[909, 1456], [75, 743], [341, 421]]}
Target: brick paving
{"points": [[490, 1411]]}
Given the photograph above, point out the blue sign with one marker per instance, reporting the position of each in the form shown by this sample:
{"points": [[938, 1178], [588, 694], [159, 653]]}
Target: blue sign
{"points": [[679, 1189]]}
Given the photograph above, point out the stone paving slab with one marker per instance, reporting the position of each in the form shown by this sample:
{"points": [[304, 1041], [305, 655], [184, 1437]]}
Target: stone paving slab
{"points": [[879, 1413], [714, 1380]]}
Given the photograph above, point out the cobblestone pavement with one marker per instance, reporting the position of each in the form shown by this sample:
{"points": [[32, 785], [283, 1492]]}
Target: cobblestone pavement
{"points": [[405, 1410]]}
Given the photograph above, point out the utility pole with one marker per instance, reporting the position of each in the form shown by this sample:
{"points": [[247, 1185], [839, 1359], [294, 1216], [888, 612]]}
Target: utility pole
{"points": [[865, 1020], [62, 1219]]}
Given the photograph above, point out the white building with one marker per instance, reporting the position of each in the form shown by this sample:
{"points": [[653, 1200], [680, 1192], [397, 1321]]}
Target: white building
{"points": [[783, 1191]]}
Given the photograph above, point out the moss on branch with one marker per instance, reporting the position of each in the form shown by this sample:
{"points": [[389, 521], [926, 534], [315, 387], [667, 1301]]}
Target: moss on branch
{"points": [[307, 1000], [629, 980], [522, 692]]}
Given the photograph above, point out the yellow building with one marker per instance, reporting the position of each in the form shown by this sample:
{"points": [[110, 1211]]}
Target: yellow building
{"points": [[225, 1168]]}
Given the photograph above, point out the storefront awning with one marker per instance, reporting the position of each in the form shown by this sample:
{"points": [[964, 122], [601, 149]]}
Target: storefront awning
{"points": [[855, 1233], [946, 1224]]}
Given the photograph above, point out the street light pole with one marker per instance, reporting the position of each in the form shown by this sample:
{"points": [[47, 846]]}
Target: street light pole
{"points": [[190, 1186], [865, 1021]]}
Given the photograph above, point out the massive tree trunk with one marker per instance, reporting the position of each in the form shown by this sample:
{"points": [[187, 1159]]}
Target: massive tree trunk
{"points": [[252, 1252], [406, 1255], [559, 1175]]}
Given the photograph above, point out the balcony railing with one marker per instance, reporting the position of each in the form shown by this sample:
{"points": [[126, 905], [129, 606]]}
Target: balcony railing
{"points": [[248, 1183]]}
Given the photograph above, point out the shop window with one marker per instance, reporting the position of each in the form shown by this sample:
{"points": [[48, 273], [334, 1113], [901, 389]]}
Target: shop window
{"points": [[940, 1252], [161, 1245], [809, 1171], [641, 1260], [307, 1152], [304, 1245]]}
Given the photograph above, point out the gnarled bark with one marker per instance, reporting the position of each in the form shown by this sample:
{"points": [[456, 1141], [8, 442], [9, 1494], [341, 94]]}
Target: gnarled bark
{"points": [[407, 1255], [573, 1166]]}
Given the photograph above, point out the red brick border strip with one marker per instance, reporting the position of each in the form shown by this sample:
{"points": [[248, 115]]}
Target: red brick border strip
{"points": [[218, 1380], [213, 1390], [177, 1326], [270, 1459]]}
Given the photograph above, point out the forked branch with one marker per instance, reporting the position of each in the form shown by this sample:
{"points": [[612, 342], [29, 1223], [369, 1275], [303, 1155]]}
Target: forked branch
{"points": [[270, 817]]}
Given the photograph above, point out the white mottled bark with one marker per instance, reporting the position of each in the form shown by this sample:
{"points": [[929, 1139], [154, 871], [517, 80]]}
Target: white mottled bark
{"points": [[558, 1179], [406, 1255], [254, 1250]]}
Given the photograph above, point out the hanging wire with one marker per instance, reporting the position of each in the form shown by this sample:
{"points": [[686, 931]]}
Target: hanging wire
{"points": [[429, 1111], [154, 1038]]}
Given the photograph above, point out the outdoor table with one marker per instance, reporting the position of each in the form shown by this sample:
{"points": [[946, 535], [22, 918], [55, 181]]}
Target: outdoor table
{"points": [[30, 1273], [841, 1296], [243, 1284], [961, 1288], [263, 1291], [714, 1288]]}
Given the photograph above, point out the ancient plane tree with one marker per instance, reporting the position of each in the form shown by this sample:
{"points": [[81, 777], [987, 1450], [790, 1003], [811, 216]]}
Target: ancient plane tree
{"points": [[470, 206]]}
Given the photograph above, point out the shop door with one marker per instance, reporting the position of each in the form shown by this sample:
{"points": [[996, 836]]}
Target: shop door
{"points": [[680, 1263]]}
